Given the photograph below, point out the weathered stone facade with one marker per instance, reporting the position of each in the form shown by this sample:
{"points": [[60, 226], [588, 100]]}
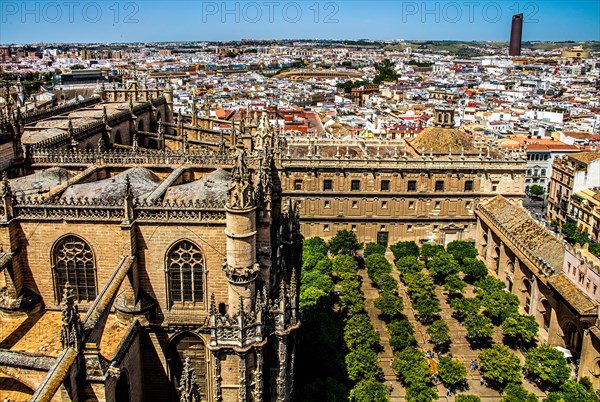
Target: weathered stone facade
{"points": [[183, 262], [530, 261]]}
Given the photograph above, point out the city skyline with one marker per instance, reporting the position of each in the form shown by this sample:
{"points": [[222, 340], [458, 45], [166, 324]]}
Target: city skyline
{"points": [[153, 21]]}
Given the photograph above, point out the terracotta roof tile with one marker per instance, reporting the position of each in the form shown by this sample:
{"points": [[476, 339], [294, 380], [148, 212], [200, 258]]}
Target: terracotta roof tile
{"points": [[527, 231], [578, 300]]}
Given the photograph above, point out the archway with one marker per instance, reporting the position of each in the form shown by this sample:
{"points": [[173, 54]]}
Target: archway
{"points": [[546, 311], [496, 257], [122, 388], [572, 337], [526, 288], [188, 345]]}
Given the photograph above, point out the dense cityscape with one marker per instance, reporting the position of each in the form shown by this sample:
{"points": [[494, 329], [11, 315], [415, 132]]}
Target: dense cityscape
{"points": [[300, 220]]}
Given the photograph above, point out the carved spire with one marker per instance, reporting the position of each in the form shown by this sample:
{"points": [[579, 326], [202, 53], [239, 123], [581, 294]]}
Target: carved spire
{"points": [[213, 305], [71, 133], [188, 386], [240, 189], [6, 193], [104, 116], [71, 332], [70, 127], [128, 193], [128, 202], [6, 190], [161, 135], [134, 141], [186, 143], [293, 288]]}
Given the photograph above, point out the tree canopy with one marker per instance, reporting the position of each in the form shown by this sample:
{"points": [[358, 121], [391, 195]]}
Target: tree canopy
{"points": [[369, 390], [452, 371], [454, 285], [466, 306], [520, 328], [517, 393], [479, 328], [390, 305], [571, 391], [362, 363], [317, 280], [402, 335], [409, 264], [442, 265], [548, 366], [431, 249], [373, 248], [474, 268], [461, 249], [359, 332], [438, 333], [411, 366], [405, 249], [498, 364], [344, 242], [500, 305], [536, 190], [314, 245]]}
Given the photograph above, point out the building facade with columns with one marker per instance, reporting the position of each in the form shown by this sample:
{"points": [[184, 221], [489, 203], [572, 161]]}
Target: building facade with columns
{"points": [[421, 189], [554, 282]]}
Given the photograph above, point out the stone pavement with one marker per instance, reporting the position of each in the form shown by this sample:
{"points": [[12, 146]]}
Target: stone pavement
{"points": [[460, 347]]}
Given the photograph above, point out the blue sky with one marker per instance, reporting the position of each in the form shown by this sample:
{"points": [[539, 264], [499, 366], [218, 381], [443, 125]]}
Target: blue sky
{"points": [[195, 20]]}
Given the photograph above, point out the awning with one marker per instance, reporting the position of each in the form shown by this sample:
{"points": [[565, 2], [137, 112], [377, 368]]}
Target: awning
{"points": [[566, 352]]}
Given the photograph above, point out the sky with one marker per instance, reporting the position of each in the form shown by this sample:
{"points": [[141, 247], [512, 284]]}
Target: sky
{"points": [[75, 21]]}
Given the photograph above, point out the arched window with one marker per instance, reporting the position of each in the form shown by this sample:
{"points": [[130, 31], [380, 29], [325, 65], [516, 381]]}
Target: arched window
{"points": [[185, 268], [73, 262]]}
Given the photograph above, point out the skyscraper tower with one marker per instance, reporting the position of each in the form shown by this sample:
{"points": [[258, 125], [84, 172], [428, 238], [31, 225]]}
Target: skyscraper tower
{"points": [[516, 33]]}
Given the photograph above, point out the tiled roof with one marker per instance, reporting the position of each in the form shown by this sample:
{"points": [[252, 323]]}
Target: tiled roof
{"points": [[585, 157], [578, 300], [535, 238]]}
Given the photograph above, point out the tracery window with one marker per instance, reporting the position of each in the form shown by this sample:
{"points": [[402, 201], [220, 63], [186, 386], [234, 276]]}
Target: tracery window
{"points": [[73, 262], [185, 267]]}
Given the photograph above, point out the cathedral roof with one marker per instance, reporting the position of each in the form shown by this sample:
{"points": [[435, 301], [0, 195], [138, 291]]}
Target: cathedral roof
{"points": [[43, 180], [526, 231], [212, 187], [142, 182], [438, 140]]}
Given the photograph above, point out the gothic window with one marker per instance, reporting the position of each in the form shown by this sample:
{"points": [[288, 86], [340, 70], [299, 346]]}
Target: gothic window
{"points": [[73, 262], [469, 185], [185, 268], [327, 184], [385, 185]]}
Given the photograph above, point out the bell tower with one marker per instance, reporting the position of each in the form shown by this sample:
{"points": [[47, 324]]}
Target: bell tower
{"points": [[443, 117]]}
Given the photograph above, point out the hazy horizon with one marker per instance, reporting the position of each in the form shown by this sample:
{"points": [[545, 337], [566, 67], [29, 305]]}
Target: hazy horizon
{"points": [[147, 21]]}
